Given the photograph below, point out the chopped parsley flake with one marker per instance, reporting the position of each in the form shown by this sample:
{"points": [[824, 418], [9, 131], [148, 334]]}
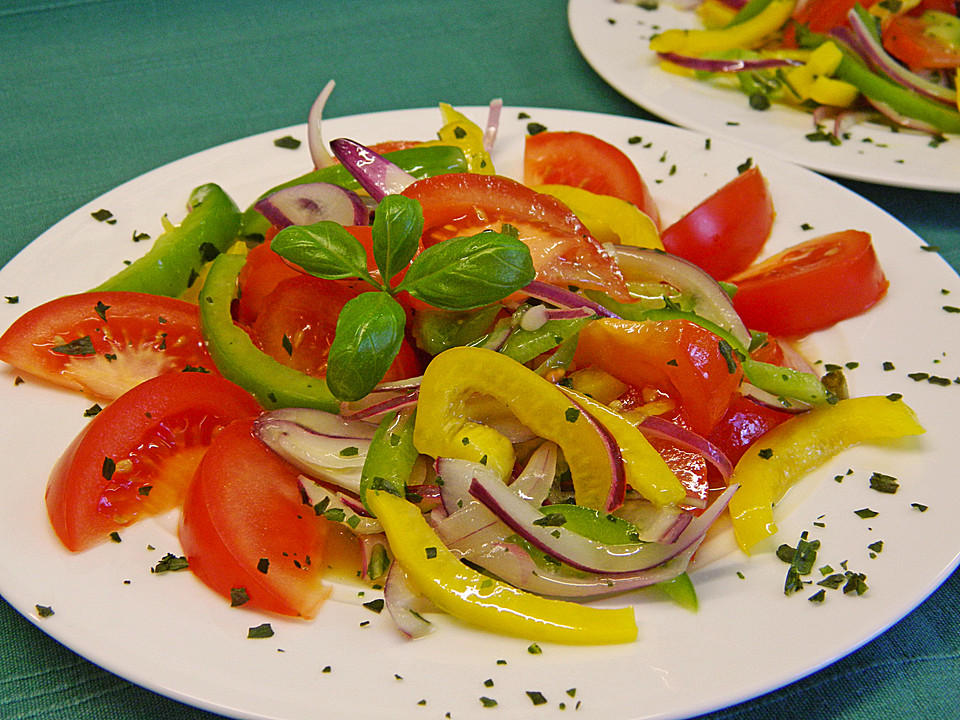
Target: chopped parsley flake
{"points": [[374, 605], [536, 697], [571, 414], [92, 410], [535, 128], [80, 347], [260, 631], [238, 596], [115, 536], [287, 142], [102, 215], [866, 513], [431, 553], [884, 483], [263, 565], [919, 506], [44, 610], [12, 299], [534, 649], [170, 563], [488, 702]]}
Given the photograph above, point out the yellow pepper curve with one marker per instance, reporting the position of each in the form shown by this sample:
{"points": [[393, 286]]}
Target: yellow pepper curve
{"points": [[482, 601], [748, 34], [773, 464], [444, 429]]}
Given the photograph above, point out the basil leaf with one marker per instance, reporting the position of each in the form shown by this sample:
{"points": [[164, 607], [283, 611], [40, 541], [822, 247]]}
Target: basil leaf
{"points": [[368, 336], [397, 226], [325, 249], [469, 272]]}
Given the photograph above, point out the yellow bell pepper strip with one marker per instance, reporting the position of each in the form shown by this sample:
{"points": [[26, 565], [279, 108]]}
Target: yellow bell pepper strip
{"points": [[444, 428], [646, 470], [814, 79], [176, 258], [273, 384], [783, 455], [481, 601], [609, 219], [748, 34], [461, 132]]}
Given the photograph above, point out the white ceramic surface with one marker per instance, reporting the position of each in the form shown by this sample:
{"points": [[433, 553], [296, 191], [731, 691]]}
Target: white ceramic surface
{"points": [[170, 634]]}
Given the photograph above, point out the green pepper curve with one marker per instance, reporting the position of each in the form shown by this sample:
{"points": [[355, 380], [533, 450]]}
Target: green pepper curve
{"points": [[420, 162], [898, 98], [273, 384], [175, 259]]}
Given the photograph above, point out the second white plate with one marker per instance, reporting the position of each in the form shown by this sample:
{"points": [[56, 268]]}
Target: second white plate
{"points": [[613, 37]]}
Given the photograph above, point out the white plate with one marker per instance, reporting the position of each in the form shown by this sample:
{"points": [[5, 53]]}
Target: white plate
{"points": [[613, 37], [172, 635]]}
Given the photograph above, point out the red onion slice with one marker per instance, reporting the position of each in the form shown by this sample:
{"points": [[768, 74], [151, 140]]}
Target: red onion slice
{"points": [[512, 565], [564, 298], [320, 444], [493, 124], [726, 66], [658, 427], [309, 203], [318, 151], [405, 605], [580, 552], [712, 301], [377, 175], [875, 55]]}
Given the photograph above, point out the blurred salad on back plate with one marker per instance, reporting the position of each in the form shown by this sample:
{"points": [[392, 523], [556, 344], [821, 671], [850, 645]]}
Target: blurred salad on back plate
{"points": [[896, 61], [492, 397]]}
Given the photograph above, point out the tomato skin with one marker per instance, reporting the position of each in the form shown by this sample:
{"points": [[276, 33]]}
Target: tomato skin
{"points": [[727, 231], [905, 38], [243, 506], [743, 423], [563, 251], [142, 336], [812, 285], [677, 357], [262, 272], [155, 434], [586, 161]]}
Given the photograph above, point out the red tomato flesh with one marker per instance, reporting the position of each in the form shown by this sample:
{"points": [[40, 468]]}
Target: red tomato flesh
{"points": [[587, 162], [906, 38], [811, 286], [563, 250], [677, 357], [727, 231], [245, 525], [136, 457], [104, 343]]}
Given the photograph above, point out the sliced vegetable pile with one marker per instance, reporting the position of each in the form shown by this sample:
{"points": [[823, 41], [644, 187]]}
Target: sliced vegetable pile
{"points": [[842, 59], [492, 398]]}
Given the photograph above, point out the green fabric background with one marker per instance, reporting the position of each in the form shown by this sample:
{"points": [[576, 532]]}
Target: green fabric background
{"points": [[96, 92]]}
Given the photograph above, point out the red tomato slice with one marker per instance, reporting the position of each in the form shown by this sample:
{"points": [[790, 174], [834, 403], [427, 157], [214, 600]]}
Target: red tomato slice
{"points": [[563, 250], [261, 273], [744, 422], [136, 457], [245, 525], [727, 231], [811, 286], [105, 343], [907, 40], [677, 357], [586, 161]]}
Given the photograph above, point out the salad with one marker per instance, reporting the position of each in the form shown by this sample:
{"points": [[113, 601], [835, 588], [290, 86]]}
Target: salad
{"points": [[844, 61], [479, 330]]}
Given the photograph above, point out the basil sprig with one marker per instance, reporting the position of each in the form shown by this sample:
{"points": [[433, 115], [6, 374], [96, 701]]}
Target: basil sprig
{"points": [[462, 273]]}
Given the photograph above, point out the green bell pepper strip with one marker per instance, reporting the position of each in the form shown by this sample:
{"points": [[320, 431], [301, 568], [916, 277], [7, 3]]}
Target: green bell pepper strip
{"points": [[439, 330], [390, 457], [480, 600], [525, 345], [420, 162], [901, 100], [783, 455], [273, 384], [177, 256]]}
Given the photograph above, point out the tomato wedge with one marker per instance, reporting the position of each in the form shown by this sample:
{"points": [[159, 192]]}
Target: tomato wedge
{"points": [[811, 286], [245, 526], [563, 250], [727, 231], [585, 161], [105, 343], [261, 273], [676, 357], [136, 457], [907, 39]]}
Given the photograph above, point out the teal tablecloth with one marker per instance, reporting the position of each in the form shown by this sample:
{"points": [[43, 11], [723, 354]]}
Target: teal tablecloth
{"points": [[95, 92]]}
